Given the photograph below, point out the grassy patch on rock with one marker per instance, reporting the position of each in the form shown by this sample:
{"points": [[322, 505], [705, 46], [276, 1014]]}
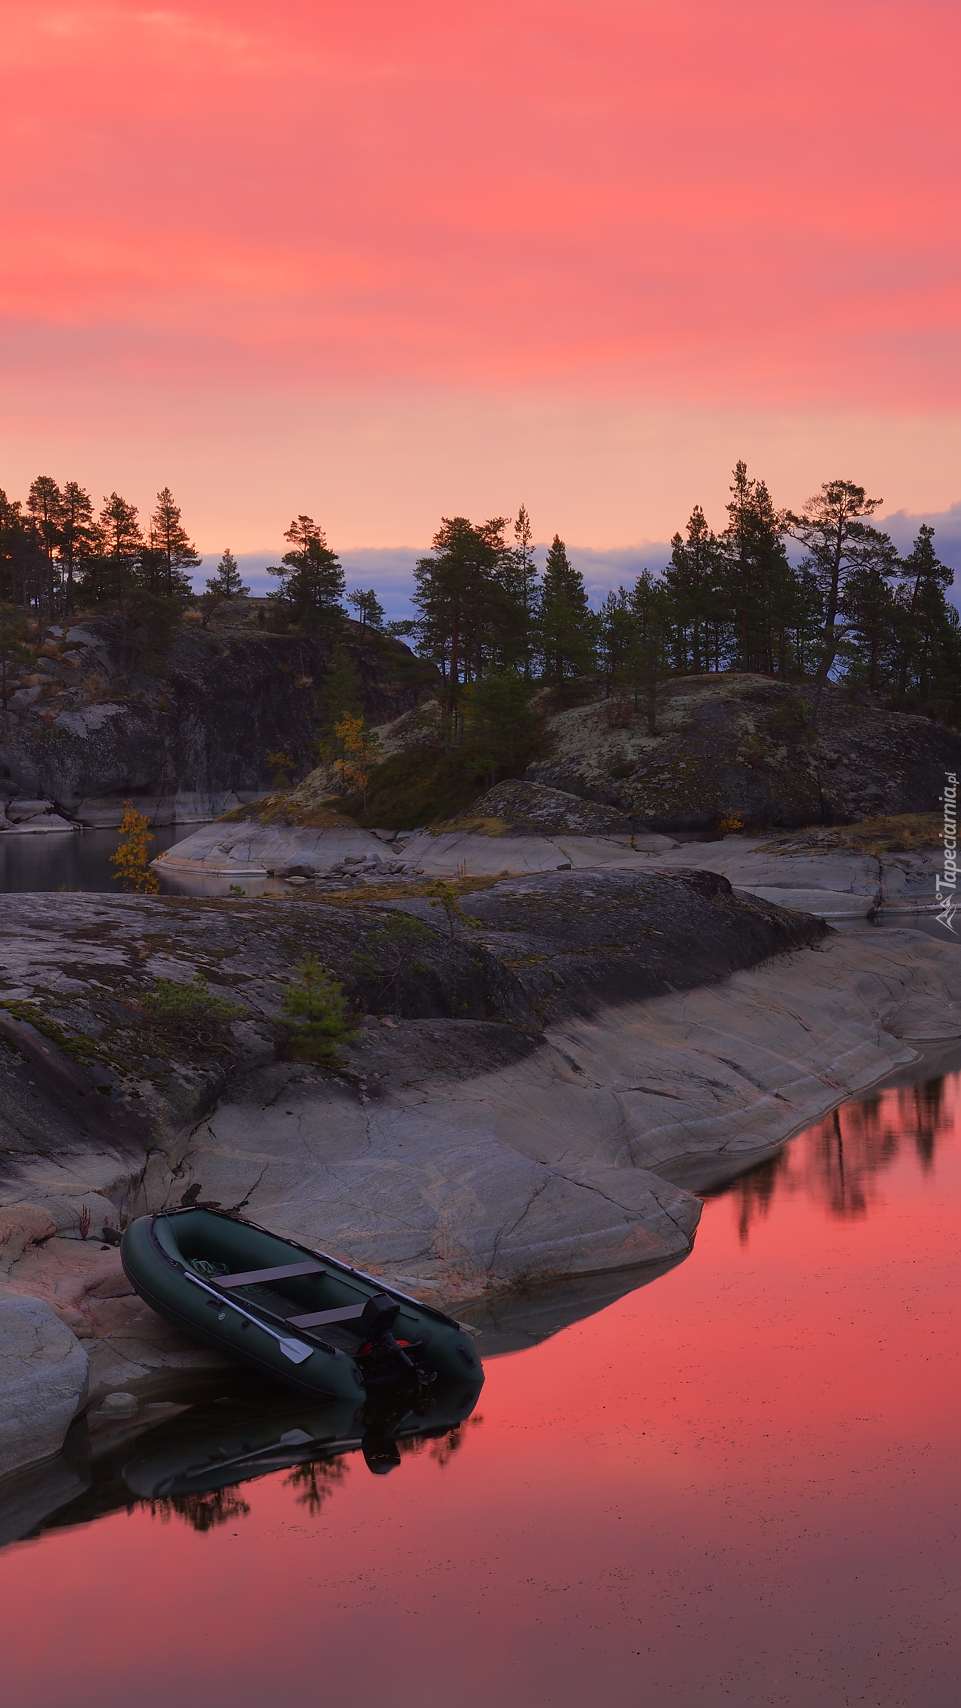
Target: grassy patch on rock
{"points": [[78, 1045], [895, 833], [418, 787]]}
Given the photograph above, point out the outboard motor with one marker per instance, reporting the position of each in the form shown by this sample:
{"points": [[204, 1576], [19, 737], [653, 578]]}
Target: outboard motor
{"points": [[380, 1315]]}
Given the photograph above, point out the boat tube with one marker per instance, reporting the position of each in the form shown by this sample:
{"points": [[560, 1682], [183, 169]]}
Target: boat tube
{"points": [[291, 1313]]}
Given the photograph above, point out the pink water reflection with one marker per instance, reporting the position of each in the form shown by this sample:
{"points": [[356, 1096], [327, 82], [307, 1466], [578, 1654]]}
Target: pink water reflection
{"points": [[740, 1483]]}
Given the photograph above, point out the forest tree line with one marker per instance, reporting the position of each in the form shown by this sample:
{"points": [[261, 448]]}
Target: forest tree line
{"points": [[815, 595]]}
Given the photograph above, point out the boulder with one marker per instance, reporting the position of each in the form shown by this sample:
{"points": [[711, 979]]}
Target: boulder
{"points": [[520, 805], [21, 811], [43, 1382], [42, 824], [250, 849], [739, 745]]}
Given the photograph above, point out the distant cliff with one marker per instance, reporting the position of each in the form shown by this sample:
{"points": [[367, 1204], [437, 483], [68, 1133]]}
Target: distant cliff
{"points": [[109, 713]]}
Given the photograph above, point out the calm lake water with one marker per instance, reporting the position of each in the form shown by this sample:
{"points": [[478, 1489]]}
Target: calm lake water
{"points": [[73, 860], [739, 1483]]}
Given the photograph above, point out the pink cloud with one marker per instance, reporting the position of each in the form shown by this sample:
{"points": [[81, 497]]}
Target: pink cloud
{"points": [[738, 203]]}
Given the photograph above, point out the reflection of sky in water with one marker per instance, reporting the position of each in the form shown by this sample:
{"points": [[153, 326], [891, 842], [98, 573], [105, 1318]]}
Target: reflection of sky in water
{"points": [[736, 1483]]}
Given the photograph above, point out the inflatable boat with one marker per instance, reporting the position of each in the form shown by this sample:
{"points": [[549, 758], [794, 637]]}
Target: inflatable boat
{"points": [[287, 1311]]}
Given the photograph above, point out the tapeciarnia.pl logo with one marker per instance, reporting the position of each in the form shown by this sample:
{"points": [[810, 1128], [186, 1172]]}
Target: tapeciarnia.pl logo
{"points": [[947, 883]]}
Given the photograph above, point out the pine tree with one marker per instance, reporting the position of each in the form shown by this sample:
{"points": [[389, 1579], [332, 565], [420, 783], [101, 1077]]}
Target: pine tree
{"points": [[43, 507], [78, 539], [522, 585], [175, 552], [225, 583], [928, 665], [870, 614], [44, 502], [567, 628], [113, 571], [648, 662], [616, 632], [692, 583], [465, 610], [757, 581], [316, 1015], [13, 533], [831, 526], [311, 580], [370, 611], [499, 724]]}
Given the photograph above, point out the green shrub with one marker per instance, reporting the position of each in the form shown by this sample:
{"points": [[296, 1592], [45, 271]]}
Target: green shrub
{"points": [[417, 787], [791, 716], [316, 1015], [391, 952], [191, 1007], [282, 767]]}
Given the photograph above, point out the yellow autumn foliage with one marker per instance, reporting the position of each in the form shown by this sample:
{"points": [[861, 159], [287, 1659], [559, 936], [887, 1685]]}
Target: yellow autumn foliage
{"points": [[132, 859]]}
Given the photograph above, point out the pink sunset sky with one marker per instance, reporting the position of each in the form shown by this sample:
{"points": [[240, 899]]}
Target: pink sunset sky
{"points": [[383, 261]]}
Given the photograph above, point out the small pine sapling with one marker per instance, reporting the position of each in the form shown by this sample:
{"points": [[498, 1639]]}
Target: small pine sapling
{"points": [[395, 948], [445, 895], [316, 1016], [226, 583]]}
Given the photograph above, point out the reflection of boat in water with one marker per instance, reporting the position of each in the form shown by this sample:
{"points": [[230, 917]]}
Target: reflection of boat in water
{"points": [[290, 1313], [214, 1453], [214, 1435]]}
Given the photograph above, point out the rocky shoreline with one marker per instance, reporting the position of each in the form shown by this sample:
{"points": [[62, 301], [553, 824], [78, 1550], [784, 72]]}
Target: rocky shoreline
{"points": [[536, 1100], [808, 877]]}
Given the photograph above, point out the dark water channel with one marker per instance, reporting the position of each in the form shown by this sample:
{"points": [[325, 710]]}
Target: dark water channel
{"points": [[739, 1483], [73, 860]]}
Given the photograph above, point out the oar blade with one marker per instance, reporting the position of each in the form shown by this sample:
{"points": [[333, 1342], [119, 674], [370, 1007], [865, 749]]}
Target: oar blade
{"points": [[295, 1350]]}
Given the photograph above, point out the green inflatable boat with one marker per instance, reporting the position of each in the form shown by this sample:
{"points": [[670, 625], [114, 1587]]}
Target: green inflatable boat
{"points": [[290, 1313]]}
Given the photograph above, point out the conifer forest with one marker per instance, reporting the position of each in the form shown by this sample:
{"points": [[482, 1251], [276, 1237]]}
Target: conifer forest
{"points": [[819, 594]]}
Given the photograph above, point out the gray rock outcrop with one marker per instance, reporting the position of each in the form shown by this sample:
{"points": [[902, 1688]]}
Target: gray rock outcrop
{"points": [[833, 883], [555, 1162], [517, 804], [115, 710], [43, 1382], [747, 746]]}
